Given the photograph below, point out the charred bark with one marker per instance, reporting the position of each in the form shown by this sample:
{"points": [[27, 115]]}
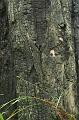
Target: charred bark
{"points": [[7, 77]]}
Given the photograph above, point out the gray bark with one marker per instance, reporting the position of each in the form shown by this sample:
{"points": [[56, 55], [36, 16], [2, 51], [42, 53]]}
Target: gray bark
{"points": [[75, 31], [7, 81], [42, 55]]}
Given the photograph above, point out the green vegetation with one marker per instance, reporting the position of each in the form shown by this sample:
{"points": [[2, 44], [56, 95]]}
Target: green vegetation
{"points": [[1, 117], [57, 112]]}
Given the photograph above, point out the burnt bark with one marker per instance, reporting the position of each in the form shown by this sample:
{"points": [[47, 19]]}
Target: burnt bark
{"points": [[7, 78]]}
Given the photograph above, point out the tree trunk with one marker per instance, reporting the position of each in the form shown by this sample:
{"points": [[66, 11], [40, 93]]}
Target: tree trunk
{"points": [[40, 51], [75, 31], [7, 81]]}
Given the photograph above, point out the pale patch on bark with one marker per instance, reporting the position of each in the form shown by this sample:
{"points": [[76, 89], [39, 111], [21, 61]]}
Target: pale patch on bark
{"points": [[52, 52], [11, 10], [61, 39], [71, 98]]}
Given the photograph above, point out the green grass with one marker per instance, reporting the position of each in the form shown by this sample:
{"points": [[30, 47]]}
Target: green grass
{"points": [[58, 114]]}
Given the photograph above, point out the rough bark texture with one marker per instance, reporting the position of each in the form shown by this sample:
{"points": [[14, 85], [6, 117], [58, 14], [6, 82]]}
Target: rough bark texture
{"points": [[75, 31], [6, 76], [7, 81], [42, 51]]}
